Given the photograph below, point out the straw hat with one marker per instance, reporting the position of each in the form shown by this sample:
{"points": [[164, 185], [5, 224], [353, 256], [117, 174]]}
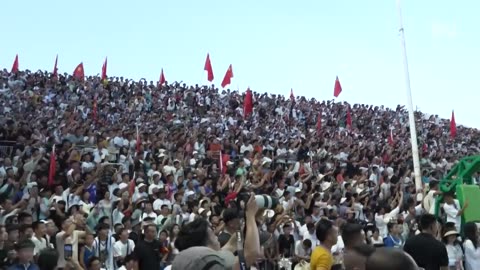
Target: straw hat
{"points": [[452, 232]]}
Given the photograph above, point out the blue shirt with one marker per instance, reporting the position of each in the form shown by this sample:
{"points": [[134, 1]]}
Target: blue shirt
{"points": [[18, 266]]}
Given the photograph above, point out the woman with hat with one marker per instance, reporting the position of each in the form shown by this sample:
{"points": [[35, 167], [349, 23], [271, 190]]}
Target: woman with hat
{"points": [[454, 250]]}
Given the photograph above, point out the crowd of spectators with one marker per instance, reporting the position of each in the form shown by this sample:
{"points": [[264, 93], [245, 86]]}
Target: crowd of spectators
{"points": [[143, 173]]}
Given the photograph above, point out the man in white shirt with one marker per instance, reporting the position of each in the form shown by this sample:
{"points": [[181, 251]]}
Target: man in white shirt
{"points": [[70, 235], [39, 229], [429, 200], [453, 210], [122, 248], [311, 235], [303, 250]]}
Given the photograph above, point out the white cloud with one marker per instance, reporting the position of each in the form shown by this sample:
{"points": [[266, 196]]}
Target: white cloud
{"points": [[444, 30]]}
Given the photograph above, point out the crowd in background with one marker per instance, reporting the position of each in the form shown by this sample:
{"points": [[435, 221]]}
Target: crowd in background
{"points": [[134, 163]]}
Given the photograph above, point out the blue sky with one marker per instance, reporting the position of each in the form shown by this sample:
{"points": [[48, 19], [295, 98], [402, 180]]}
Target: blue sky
{"points": [[272, 45]]}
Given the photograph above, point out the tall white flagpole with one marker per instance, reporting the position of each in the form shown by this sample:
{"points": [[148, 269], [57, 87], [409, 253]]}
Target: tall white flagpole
{"points": [[411, 115]]}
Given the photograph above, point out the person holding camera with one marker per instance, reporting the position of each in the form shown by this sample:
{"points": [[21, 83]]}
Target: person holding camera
{"points": [[200, 249]]}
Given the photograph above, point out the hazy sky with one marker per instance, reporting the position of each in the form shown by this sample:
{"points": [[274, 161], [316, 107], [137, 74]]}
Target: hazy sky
{"points": [[272, 45]]}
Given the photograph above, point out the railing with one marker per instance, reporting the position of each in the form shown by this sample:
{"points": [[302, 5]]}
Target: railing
{"points": [[6, 148]]}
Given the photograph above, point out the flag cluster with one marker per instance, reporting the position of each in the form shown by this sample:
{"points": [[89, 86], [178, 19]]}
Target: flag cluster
{"points": [[79, 74]]}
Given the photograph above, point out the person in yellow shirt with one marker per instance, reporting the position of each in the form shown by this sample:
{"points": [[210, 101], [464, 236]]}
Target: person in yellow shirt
{"points": [[327, 234]]}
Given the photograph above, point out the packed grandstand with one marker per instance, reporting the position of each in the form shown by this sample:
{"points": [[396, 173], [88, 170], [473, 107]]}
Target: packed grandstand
{"points": [[93, 163]]}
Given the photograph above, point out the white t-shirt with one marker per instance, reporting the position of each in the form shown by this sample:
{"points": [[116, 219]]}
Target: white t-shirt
{"points": [[312, 237], [451, 210], [300, 251], [121, 250], [40, 244]]}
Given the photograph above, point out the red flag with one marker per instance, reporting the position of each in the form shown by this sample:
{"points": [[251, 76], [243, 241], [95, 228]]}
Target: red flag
{"points": [[104, 70], [453, 126], [94, 110], [52, 169], [55, 69], [292, 97], [390, 138], [15, 65], [162, 78], [228, 77], [247, 104], [139, 142], [224, 158], [338, 88], [349, 118], [208, 68], [79, 73], [319, 122]]}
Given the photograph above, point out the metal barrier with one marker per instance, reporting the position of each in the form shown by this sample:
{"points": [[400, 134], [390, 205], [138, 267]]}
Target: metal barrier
{"points": [[6, 148]]}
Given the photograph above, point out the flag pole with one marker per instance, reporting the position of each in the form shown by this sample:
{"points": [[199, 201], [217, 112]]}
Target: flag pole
{"points": [[411, 115]]}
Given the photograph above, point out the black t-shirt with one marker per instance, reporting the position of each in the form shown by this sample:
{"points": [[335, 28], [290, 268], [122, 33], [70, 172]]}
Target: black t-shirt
{"points": [[431, 258], [148, 254], [286, 245]]}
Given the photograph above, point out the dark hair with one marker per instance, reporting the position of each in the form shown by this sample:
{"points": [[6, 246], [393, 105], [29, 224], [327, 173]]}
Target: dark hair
{"points": [[323, 228], [470, 231], [193, 234], [91, 260], [102, 219], [37, 224], [47, 260], [351, 232], [22, 216], [307, 243], [389, 258], [426, 221]]}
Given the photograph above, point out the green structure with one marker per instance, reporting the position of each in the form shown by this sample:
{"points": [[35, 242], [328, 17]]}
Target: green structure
{"points": [[460, 181]]}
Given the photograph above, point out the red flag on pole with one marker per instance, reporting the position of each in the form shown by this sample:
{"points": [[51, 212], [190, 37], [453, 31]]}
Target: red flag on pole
{"points": [[224, 158], [79, 73], [162, 78], [228, 77], [94, 110], [247, 104], [15, 65], [390, 138], [349, 118], [338, 88], [139, 142], [53, 167], [319, 122], [208, 68], [292, 97], [104, 70], [55, 69], [220, 162], [453, 126]]}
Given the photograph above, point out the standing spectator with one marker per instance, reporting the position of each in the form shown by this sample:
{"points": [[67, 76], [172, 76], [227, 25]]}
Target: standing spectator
{"points": [[148, 250], [471, 246], [103, 246], [454, 250], [123, 247], [453, 210], [327, 234], [286, 243], [47, 260], [24, 261], [38, 238], [435, 257]]}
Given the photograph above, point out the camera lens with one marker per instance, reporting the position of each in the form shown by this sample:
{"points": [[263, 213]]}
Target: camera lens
{"points": [[266, 201]]}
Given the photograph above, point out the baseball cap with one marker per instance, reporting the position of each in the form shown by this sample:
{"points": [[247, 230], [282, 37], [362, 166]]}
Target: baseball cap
{"points": [[203, 258]]}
